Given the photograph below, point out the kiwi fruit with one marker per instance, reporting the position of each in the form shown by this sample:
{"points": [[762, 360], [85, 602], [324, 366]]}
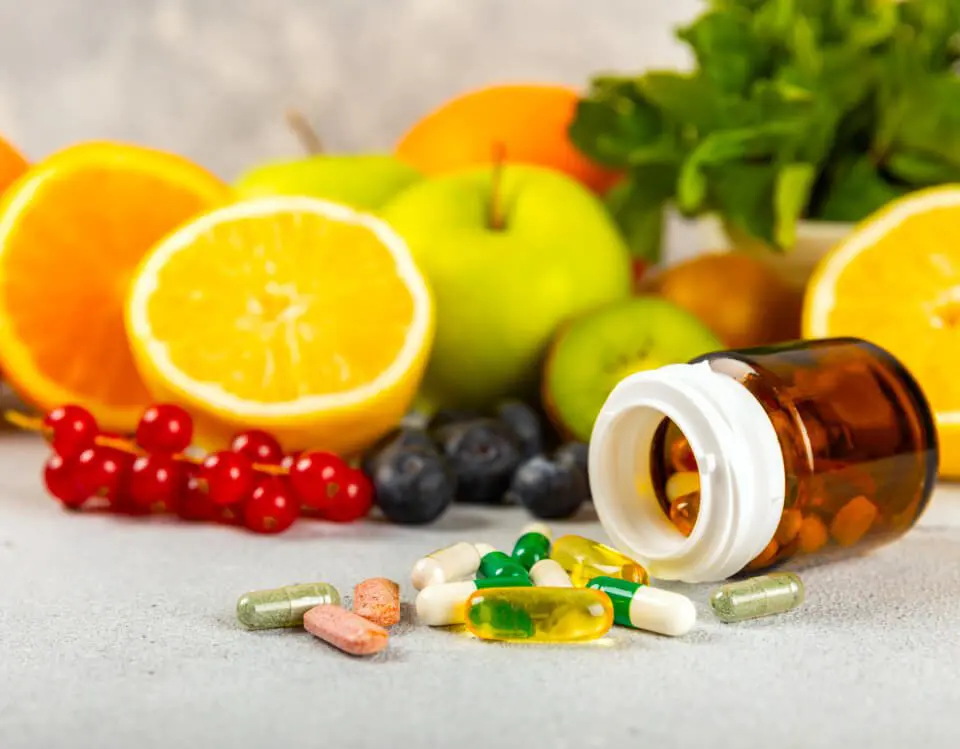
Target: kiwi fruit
{"points": [[591, 354]]}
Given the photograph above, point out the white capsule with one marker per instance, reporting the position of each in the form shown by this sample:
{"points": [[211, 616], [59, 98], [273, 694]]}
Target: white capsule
{"points": [[443, 605], [483, 550], [549, 574], [541, 528], [662, 611], [681, 484], [445, 565]]}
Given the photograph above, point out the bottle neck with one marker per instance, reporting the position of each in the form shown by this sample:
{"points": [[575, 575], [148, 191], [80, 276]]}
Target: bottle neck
{"points": [[738, 456]]}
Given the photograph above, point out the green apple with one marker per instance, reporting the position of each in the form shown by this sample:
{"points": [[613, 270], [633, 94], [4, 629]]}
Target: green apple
{"points": [[510, 255], [363, 181]]}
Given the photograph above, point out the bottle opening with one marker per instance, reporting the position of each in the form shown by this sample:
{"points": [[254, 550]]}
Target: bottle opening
{"points": [[639, 476], [675, 476]]}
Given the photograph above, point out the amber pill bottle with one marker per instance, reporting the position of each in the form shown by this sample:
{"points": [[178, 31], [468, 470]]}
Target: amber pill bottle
{"points": [[816, 449]]}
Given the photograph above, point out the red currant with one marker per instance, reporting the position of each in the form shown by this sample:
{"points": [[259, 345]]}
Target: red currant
{"points": [[311, 476], [229, 477], [229, 514], [165, 428], [155, 482], [194, 503], [257, 446], [272, 508], [289, 459], [74, 430], [60, 478], [101, 472], [352, 499]]}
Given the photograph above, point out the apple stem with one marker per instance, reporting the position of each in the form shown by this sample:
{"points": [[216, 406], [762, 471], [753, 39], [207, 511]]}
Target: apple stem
{"points": [[304, 131], [496, 218]]}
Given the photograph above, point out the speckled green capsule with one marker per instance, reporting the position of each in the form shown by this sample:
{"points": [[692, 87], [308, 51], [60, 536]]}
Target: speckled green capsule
{"points": [[757, 596], [533, 545], [495, 563], [283, 607]]}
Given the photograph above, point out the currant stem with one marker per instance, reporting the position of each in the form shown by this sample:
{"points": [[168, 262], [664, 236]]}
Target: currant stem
{"points": [[35, 424]]}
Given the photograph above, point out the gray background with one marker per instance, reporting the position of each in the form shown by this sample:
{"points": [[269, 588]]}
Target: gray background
{"points": [[211, 78]]}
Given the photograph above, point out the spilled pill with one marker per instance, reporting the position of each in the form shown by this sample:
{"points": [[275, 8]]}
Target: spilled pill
{"points": [[378, 600], [345, 630], [283, 607]]}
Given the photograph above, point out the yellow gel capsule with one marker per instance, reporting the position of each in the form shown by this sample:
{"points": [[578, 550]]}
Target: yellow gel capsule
{"points": [[539, 614], [584, 560]]}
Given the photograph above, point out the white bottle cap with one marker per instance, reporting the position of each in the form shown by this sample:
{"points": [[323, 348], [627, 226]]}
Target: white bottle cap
{"points": [[738, 455]]}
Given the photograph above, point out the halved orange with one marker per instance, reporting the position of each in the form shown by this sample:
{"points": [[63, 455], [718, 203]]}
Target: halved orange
{"points": [[12, 164], [71, 232], [290, 314], [895, 281]]}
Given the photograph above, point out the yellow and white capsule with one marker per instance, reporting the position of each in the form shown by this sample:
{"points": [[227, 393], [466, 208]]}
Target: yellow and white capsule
{"points": [[446, 565]]}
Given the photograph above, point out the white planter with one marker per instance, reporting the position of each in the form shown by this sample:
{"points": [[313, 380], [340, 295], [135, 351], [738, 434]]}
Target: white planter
{"points": [[814, 240]]}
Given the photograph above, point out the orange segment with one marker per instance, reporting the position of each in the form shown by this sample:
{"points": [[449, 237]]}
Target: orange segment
{"points": [[12, 164], [71, 232], [895, 281], [290, 314]]}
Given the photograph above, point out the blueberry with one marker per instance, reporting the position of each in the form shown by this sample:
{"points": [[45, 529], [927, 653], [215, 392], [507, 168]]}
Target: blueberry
{"points": [[525, 424], [575, 453], [413, 484], [404, 437], [484, 455], [446, 416], [548, 489]]}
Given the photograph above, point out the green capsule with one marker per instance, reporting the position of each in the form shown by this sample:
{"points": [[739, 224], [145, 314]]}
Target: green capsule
{"points": [[757, 596], [533, 545], [502, 582], [621, 595], [642, 607], [283, 607], [495, 563]]}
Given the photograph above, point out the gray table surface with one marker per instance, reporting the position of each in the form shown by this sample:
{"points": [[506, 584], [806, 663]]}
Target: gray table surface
{"points": [[120, 633]]}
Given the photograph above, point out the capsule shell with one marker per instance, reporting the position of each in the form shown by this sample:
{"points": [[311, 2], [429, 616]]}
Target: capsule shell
{"points": [[533, 545], [455, 562], [443, 605], [539, 614], [548, 574], [650, 609], [495, 563], [763, 595], [584, 559], [283, 607]]}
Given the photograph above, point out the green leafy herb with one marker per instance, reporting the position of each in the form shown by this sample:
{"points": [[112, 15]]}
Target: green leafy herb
{"points": [[822, 109]]}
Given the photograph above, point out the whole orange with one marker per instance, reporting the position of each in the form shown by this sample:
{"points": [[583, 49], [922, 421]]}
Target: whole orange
{"points": [[739, 298], [527, 121], [12, 164]]}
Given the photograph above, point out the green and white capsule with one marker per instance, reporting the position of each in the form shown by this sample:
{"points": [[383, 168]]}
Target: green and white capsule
{"points": [[283, 607], [456, 562], [444, 605], [650, 609], [763, 595], [495, 563], [548, 573], [533, 545]]}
